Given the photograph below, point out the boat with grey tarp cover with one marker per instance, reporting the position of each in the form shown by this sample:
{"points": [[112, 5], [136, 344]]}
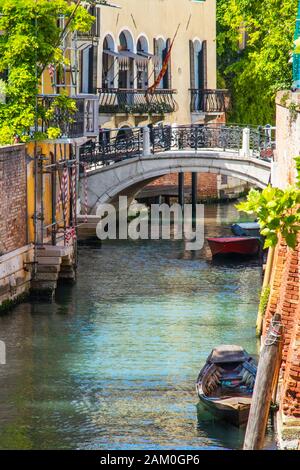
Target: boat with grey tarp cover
{"points": [[225, 383]]}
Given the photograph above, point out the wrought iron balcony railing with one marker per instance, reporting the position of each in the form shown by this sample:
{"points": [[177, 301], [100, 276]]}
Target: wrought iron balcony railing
{"points": [[84, 123], [210, 101], [136, 101]]}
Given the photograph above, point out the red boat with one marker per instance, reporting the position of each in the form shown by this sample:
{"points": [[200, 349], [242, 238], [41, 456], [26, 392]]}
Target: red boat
{"points": [[235, 245]]}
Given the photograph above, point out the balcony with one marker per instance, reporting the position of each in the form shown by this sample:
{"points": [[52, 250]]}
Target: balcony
{"points": [[84, 123], [130, 101], [210, 101]]}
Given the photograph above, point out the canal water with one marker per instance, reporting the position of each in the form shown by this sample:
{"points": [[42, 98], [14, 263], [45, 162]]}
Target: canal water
{"points": [[112, 363]]}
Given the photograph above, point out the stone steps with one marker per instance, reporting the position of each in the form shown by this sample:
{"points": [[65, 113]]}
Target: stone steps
{"points": [[53, 263]]}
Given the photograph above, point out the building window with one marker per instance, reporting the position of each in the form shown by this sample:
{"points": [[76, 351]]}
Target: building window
{"points": [[224, 179], [108, 62], [126, 61], [161, 48], [142, 65]]}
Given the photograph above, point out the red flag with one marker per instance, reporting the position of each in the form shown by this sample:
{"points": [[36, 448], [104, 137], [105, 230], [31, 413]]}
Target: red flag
{"points": [[164, 68]]}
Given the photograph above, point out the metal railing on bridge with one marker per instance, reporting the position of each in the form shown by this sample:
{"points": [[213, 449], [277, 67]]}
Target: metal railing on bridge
{"points": [[259, 142]]}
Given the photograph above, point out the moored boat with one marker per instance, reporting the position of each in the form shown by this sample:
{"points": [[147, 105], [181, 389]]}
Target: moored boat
{"points": [[246, 229], [249, 246], [225, 384]]}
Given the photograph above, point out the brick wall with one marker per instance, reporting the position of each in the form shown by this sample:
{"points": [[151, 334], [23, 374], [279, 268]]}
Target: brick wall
{"points": [[285, 282], [207, 183], [284, 299], [12, 198]]}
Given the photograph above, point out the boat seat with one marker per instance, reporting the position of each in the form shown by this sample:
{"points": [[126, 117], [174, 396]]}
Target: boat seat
{"points": [[231, 377]]}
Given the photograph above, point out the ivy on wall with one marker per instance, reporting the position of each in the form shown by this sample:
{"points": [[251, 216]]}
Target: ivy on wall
{"points": [[29, 42], [277, 212], [254, 45]]}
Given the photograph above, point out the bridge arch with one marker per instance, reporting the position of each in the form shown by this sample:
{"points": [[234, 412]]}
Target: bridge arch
{"points": [[130, 176]]}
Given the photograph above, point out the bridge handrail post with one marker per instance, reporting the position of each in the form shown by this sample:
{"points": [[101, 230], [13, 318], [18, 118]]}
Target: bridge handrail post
{"points": [[245, 152], [146, 141]]}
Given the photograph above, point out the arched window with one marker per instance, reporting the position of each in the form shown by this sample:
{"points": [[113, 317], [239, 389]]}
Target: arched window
{"points": [[161, 48], [198, 73], [123, 42], [142, 65], [108, 62], [198, 61], [126, 63], [160, 53], [125, 132]]}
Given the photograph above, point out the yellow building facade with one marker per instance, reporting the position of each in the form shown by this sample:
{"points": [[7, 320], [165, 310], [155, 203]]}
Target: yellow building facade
{"points": [[109, 70], [133, 43]]}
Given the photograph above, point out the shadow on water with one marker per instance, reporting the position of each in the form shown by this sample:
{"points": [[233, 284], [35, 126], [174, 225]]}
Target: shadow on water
{"points": [[224, 434], [112, 362]]}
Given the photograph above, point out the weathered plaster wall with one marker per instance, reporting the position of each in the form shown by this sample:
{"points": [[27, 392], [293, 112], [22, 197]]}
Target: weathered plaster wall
{"points": [[287, 138]]}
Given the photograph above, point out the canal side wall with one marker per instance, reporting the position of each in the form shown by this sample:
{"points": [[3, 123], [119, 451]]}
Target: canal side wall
{"points": [[285, 280], [16, 254]]}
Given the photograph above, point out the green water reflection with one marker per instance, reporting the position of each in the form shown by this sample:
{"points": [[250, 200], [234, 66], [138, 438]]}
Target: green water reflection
{"points": [[112, 363]]}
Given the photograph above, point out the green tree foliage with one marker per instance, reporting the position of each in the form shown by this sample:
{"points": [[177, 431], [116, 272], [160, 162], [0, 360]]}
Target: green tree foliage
{"points": [[297, 160], [277, 212], [29, 42], [255, 73]]}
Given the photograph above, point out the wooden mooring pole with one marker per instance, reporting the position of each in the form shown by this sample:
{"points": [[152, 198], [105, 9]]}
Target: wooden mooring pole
{"points": [[181, 189], [269, 363]]}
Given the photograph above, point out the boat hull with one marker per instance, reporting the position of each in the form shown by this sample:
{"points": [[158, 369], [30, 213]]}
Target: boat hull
{"points": [[237, 417], [225, 383], [248, 246]]}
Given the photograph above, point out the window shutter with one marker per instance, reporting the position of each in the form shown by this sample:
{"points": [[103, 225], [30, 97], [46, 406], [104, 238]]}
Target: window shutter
{"points": [[169, 71], [155, 51], [93, 70], [203, 67], [204, 64], [192, 65]]}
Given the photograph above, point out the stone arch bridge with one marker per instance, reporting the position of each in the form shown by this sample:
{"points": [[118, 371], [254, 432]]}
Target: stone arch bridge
{"points": [[123, 166]]}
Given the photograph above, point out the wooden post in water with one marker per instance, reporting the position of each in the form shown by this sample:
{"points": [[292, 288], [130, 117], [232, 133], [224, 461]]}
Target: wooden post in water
{"points": [[266, 282], [181, 189], [268, 365], [194, 196]]}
